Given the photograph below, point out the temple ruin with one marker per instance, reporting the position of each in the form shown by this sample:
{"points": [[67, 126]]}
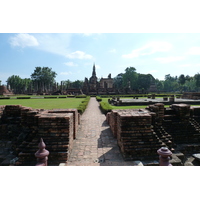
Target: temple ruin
{"points": [[95, 87], [140, 132], [22, 127]]}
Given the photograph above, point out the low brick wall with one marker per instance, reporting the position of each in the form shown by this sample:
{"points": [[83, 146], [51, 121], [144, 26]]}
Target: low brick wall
{"points": [[24, 127], [141, 132], [135, 136]]}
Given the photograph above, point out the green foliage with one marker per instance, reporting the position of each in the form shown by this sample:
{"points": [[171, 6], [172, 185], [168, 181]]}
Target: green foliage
{"points": [[144, 81], [81, 96], [23, 97], [77, 84], [105, 107], [182, 79], [130, 78], [98, 98], [197, 78], [50, 97], [83, 105], [43, 78], [72, 96], [18, 85]]}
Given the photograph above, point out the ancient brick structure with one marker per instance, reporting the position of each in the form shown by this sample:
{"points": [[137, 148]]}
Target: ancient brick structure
{"points": [[23, 127], [93, 87], [191, 95], [141, 132], [4, 91]]}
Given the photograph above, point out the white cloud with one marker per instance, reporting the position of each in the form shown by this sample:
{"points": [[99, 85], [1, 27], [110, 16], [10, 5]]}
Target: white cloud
{"points": [[23, 40], [194, 51], [71, 64], [148, 49], [170, 59], [56, 43], [79, 55], [66, 73], [113, 51]]}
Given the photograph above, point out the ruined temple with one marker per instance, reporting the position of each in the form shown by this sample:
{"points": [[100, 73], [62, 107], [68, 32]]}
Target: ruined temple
{"points": [[4, 91], [95, 87]]}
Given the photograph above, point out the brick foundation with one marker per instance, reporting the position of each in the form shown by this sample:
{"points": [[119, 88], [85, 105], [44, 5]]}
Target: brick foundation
{"points": [[24, 127], [141, 132]]}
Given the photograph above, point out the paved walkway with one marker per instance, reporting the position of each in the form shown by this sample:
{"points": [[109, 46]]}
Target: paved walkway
{"points": [[94, 144]]}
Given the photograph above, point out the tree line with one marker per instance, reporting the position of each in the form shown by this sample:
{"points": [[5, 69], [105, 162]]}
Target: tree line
{"points": [[142, 82], [42, 80]]}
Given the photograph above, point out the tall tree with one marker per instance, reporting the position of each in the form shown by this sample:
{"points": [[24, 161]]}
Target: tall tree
{"points": [[77, 84], [15, 83], [197, 78], [181, 79], [118, 80], [130, 76], [144, 81], [44, 78]]}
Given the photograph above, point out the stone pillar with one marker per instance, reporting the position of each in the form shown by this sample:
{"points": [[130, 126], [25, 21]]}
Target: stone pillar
{"points": [[42, 154], [164, 158]]}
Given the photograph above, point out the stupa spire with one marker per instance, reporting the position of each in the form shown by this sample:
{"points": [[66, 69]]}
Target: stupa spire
{"points": [[94, 70]]}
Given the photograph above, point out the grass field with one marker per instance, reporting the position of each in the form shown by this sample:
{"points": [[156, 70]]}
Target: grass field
{"points": [[44, 103]]}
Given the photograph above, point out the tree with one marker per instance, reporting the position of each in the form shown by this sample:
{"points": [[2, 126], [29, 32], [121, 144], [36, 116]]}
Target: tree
{"points": [[144, 81], [118, 80], [66, 84], [77, 84], [43, 78], [130, 76], [15, 83], [159, 84], [197, 79], [181, 79]]}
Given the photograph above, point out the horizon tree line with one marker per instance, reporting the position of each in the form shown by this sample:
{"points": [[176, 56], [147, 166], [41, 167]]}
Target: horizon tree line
{"points": [[42, 80]]}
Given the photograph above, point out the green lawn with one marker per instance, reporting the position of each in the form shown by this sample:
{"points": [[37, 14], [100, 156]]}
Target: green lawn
{"points": [[44, 103]]}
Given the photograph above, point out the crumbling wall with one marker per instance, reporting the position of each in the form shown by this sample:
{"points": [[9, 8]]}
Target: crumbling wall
{"points": [[4, 91], [191, 95], [23, 127], [140, 133], [135, 136]]}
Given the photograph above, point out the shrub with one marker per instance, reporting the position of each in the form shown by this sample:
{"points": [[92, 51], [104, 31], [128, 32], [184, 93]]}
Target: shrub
{"points": [[83, 105], [105, 107], [23, 97], [98, 98], [81, 96], [72, 96], [50, 97], [4, 97], [62, 97]]}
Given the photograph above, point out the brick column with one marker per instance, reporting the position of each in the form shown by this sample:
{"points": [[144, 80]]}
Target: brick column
{"points": [[164, 156], [42, 154]]}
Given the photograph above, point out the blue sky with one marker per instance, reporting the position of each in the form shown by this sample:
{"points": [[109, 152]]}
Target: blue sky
{"points": [[71, 55]]}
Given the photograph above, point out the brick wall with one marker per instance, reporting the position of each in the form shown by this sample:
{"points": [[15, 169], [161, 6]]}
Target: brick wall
{"points": [[141, 132], [25, 126]]}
